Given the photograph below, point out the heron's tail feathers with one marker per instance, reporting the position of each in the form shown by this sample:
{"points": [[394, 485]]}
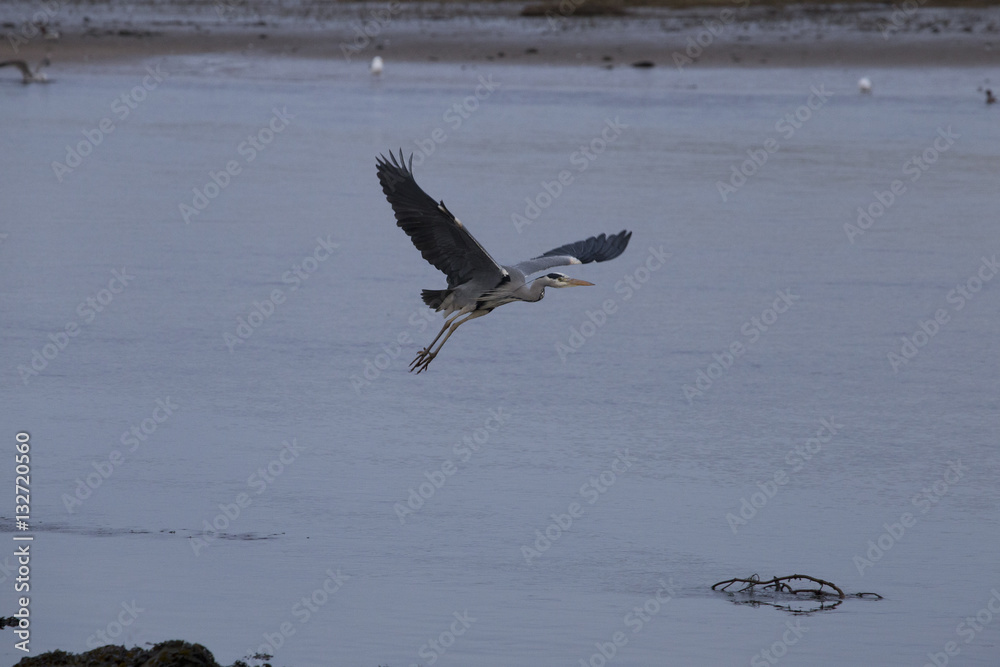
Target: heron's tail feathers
{"points": [[435, 297]]}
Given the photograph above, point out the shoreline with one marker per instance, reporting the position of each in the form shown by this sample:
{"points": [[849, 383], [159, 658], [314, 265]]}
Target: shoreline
{"points": [[469, 32]]}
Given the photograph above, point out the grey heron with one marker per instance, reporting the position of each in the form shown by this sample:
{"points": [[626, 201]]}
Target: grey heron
{"points": [[29, 75], [477, 284]]}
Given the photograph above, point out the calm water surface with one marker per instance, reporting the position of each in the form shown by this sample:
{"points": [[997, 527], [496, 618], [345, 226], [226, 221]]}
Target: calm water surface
{"points": [[272, 311]]}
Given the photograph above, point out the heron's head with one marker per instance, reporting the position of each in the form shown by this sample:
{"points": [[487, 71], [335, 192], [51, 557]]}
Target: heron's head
{"points": [[562, 280]]}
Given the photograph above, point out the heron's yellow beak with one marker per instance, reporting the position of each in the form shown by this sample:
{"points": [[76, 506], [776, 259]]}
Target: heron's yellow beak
{"points": [[578, 283]]}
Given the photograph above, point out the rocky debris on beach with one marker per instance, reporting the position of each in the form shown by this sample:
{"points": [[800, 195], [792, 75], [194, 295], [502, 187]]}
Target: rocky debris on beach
{"points": [[575, 8], [173, 653]]}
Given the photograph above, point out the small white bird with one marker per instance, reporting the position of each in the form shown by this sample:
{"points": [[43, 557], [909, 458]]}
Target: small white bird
{"points": [[376, 66], [29, 75], [865, 84], [46, 33]]}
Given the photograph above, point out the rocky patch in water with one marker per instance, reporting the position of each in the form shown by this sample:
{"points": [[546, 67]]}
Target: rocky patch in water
{"points": [[173, 653]]}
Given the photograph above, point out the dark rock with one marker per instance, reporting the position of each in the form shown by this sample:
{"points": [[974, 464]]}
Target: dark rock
{"points": [[173, 653]]}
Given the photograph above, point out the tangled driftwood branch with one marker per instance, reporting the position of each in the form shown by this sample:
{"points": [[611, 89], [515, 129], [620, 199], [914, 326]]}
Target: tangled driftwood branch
{"points": [[781, 593], [781, 585]]}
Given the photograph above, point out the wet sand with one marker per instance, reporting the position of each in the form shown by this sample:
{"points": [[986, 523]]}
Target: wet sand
{"points": [[726, 34]]}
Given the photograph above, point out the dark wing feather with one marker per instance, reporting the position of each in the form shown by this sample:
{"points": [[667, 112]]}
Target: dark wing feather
{"points": [[595, 249], [441, 239]]}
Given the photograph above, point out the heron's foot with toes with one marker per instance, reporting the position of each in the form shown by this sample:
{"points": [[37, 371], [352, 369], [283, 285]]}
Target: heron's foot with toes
{"points": [[422, 361]]}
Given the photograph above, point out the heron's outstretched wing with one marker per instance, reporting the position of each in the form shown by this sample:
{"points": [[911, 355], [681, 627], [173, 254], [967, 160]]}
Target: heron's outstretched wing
{"points": [[595, 249], [438, 235]]}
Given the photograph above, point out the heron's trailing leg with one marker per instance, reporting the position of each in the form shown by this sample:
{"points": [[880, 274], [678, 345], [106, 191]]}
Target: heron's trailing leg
{"points": [[447, 323], [425, 357]]}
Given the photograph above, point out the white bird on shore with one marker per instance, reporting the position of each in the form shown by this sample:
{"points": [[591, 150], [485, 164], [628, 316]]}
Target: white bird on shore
{"points": [[29, 75], [51, 35], [865, 84], [376, 66]]}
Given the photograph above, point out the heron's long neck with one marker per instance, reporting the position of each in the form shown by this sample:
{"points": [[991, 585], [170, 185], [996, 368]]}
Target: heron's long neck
{"points": [[536, 289]]}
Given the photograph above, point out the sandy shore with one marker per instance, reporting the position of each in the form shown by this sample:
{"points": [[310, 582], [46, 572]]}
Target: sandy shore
{"points": [[723, 34]]}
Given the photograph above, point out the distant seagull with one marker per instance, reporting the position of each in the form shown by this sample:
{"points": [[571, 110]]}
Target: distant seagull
{"points": [[990, 98], [376, 66], [46, 33], [29, 75], [865, 84]]}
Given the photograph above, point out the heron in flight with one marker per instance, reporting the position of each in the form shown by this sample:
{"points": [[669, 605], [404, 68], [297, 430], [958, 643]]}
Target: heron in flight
{"points": [[476, 282], [29, 75]]}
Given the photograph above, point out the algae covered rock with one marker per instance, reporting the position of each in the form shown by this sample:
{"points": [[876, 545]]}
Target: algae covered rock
{"points": [[173, 653]]}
